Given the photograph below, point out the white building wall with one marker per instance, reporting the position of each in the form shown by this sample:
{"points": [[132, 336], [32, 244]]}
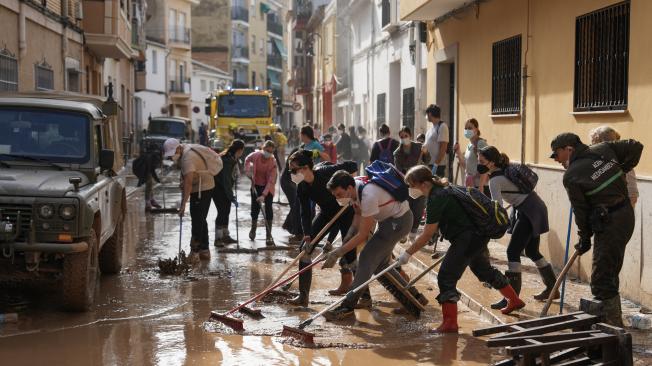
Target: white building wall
{"points": [[154, 97]]}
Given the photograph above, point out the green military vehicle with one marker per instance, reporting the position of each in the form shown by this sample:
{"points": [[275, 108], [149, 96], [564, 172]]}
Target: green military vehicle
{"points": [[62, 205]]}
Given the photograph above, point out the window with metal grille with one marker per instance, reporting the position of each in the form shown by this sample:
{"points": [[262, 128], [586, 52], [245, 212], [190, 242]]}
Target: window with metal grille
{"points": [[408, 108], [385, 12], [8, 71], [602, 59], [380, 109], [506, 76], [423, 32], [44, 76]]}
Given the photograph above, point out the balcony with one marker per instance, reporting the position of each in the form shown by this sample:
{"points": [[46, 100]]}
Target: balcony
{"points": [[240, 13], [274, 27], [180, 36], [427, 9], [275, 61], [240, 52], [180, 88], [107, 31]]}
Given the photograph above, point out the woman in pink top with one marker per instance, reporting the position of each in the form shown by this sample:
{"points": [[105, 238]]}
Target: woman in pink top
{"points": [[260, 167]]}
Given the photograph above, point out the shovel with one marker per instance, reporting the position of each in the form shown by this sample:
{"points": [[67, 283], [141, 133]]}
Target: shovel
{"points": [[308, 338]]}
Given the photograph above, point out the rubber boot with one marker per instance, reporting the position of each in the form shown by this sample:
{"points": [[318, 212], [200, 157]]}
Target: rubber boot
{"points": [[252, 232], [515, 279], [226, 236], [548, 277], [449, 323], [613, 314], [513, 301], [305, 281], [269, 240], [218, 237], [345, 284]]}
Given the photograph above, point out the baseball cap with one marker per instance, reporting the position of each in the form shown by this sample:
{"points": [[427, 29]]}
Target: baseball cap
{"points": [[170, 147], [562, 140]]}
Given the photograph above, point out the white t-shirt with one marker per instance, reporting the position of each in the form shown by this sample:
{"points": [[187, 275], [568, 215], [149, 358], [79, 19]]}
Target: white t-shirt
{"points": [[437, 134], [192, 162], [379, 204]]}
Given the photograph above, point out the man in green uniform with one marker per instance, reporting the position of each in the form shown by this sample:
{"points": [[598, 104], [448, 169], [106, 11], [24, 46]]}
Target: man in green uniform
{"points": [[595, 182]]}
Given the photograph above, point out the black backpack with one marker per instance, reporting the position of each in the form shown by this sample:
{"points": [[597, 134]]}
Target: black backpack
{"points": [[386, 154], [524, 178], [489, 218]]}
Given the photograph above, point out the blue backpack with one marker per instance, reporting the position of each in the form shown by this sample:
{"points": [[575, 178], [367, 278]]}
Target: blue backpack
{"points": [[388, 178]]}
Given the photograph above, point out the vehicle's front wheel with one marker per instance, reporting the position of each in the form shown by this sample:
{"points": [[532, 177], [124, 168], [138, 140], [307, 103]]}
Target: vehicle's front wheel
{"points": [[80, 277], [111, 253]]}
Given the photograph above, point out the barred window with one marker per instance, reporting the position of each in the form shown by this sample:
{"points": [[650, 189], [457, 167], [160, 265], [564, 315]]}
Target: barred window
{"points": [[506, 76], [44, 76], [380, 109], [602, 59], [408, 108], [385, 14], [8, 71]]}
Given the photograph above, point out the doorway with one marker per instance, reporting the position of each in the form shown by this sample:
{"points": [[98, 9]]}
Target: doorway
{"points": [[446, 101]]}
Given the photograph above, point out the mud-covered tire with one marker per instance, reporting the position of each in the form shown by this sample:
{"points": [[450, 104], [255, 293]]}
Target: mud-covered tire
{"points": [[80, 272], [111, 253]]}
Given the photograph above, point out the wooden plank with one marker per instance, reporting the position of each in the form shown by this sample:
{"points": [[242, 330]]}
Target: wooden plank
{"points": [[578, 362], [515, 341], [566, 354], [525, 324], [583, 320], [556, 346]]}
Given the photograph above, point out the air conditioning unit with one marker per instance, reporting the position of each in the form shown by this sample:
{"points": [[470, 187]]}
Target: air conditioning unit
{"points": [[79, 11], [389, 15]]}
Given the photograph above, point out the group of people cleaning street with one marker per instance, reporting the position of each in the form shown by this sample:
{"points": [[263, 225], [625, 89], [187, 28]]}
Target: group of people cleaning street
{"points": [[599, 180]]}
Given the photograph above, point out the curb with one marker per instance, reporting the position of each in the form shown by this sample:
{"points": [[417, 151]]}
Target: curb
{"points": [[473, 305]]}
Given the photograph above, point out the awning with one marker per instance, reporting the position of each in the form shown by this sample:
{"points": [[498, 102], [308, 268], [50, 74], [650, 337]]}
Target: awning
{"points": [[274, 80], [72, 64], [265, 8], [280, 47]]}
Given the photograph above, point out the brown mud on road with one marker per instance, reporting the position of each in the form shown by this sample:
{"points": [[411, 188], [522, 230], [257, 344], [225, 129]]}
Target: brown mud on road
{"points": [[143, 318]]}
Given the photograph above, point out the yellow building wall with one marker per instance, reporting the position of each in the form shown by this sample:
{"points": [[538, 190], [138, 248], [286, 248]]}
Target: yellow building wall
{"points": [[551, 68], [258, 60]]}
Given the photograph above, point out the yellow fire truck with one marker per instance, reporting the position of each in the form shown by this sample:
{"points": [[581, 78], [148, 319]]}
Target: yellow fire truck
{"points": [[239, 113]]}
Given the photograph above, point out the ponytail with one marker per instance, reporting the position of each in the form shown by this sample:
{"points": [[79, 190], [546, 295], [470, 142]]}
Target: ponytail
{"points": [[501, 160], [421, 173]]}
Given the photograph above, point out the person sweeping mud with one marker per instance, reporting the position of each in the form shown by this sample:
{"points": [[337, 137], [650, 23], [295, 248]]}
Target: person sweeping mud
{"points": [[597, 189], [223, 193], [511, 183], [467, 249], [260, 166], [372, 204], [311, 188]]}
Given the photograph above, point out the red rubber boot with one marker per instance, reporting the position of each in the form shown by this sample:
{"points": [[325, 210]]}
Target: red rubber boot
{"points": [[449, 324], [513, 301]]}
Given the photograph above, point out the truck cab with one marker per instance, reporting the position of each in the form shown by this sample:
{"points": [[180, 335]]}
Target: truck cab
{"points": [[62, 205]]}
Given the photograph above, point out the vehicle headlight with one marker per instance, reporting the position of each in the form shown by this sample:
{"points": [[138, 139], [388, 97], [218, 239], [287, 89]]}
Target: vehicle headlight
{"points": [[46, 211], [67, 212]]}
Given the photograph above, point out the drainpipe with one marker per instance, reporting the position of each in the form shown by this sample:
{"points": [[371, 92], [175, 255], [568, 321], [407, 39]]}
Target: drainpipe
{"points": [[417, 75], [22, 40], [167, 80], [524, 75], [64, 41]]}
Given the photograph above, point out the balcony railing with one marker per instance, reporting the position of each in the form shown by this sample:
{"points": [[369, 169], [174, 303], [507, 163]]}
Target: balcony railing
{"points": [[180, 86], [274, 27], [275, 61], [179, 35], [240, 13], [241, 52]]}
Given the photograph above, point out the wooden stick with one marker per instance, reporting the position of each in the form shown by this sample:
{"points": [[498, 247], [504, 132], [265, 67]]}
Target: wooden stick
{"points": [[561, 278]]}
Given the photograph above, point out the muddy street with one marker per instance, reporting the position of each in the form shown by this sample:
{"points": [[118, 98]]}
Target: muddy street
{"points": [[143, 318]]}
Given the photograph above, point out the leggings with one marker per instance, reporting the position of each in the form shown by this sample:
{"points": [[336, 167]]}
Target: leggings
{"points": [[522, 238], [255, 206]]}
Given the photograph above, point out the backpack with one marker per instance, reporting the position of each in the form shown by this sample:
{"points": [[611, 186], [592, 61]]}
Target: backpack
{"points": [[490, 219], [386, 154], [522, 176], [212, 161], [388, 178], [139, 167]]}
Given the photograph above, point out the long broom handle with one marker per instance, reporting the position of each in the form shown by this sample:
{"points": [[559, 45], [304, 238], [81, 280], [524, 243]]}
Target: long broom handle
{"points": [[560, 279], [420, 276], [341, 299]]}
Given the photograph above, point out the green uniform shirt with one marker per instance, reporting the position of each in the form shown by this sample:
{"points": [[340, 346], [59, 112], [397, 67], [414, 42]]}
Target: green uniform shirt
{"points": [[443, 209]]}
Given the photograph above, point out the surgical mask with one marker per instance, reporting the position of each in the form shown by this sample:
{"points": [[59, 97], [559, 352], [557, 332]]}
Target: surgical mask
{"points": [[344, 201], [469, 134], [482, 169], [175, 157], [406, 141], [415, 193], [267, 154], [297, 178]]}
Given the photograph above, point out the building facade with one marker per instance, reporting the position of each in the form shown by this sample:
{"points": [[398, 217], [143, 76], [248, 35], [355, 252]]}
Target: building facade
{"points": [[153, 98], [211, 33], [205, 79], [525, 71]]}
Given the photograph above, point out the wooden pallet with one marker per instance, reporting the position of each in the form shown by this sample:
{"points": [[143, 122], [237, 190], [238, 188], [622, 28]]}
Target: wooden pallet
{"points": [[572, 339]]}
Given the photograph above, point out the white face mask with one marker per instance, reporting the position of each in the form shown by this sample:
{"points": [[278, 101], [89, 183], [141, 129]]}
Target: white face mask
{"points": [[297, 178], [415, 193], [267, 154], [175, 157], [344, 201], [406, 141]]}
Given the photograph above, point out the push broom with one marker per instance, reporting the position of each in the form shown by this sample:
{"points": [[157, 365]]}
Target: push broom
{"points": [[300, 334]]}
